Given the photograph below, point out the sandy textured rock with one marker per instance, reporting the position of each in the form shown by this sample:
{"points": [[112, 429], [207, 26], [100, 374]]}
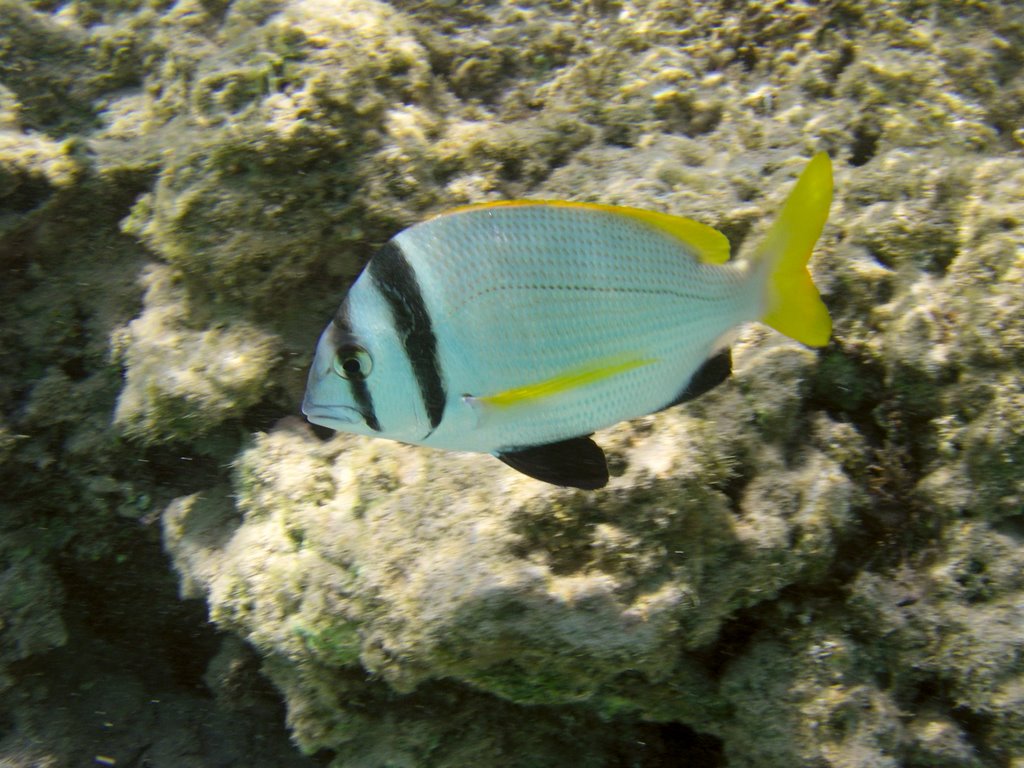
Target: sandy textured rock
{"points": [[365, 553], [185, 376], [304, 94]]}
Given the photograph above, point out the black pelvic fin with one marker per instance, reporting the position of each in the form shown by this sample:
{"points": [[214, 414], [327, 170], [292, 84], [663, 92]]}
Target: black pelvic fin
{"points": [[711, 373], [575, 463]]}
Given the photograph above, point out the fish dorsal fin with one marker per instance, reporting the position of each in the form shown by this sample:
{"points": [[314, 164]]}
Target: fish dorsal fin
{"points": [[575, 463], [707, 243]]}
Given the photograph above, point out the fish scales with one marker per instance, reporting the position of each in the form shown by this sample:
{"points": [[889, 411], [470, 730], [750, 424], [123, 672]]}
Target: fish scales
{"points": [[590, 290], [520, 328]]}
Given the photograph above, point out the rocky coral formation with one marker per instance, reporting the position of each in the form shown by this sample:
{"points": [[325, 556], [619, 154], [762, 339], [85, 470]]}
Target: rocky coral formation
{"points": [[295, 96], [818, 563], [185, 376], [357, 553], [32, 599]]}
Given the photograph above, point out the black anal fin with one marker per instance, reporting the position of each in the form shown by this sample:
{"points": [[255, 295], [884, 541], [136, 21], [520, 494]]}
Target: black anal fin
{"points": [[575, 463], [711, 373]]}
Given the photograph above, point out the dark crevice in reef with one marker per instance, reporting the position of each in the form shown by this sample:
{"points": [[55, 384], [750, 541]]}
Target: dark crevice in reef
{"points": [[129, 604], [1012, 526], [934, 695], [273, 407], [865, 143], [852, 388], [847, 55], [667, 745], [133, 681], [976, 726], [182, 469], [736, 485], [732, 640]]}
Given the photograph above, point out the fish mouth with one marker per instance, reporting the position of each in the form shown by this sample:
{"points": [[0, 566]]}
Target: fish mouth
{"points": [[330, 415]]}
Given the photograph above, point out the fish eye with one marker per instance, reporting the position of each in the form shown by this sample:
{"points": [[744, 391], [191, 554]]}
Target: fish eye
{"points": [[352, 362]]}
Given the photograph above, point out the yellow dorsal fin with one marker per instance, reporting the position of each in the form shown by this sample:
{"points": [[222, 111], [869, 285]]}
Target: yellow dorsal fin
{"points": [[707, 243], [792, 303], [563, 382]]}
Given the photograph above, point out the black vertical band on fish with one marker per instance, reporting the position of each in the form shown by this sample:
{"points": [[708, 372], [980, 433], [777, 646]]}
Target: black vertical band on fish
{"points": [[711, 373], [360, 391], [396, 281]]}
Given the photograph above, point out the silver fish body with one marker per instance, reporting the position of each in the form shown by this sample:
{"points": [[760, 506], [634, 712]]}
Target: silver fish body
{"points": [[519, 329]]}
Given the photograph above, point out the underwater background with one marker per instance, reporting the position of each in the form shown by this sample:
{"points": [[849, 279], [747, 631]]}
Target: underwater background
{"points": [[820, 563]]}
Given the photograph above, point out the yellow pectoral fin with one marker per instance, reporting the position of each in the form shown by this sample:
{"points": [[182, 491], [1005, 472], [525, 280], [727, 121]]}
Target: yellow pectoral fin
{"points": [[564, 382]]}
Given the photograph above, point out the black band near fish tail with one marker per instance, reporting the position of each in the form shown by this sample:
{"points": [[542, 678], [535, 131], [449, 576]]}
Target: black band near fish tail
{"points": [[709, 375], [342, 337], [394, 278]]}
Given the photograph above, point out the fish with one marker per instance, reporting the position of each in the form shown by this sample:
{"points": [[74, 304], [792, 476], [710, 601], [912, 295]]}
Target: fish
{"points": [[519, 328]]}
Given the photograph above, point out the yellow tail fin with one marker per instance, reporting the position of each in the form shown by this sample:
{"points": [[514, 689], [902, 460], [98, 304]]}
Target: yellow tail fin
{"points": [[792, 305]]}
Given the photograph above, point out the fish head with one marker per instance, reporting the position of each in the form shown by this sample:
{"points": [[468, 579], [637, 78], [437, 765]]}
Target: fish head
{"points": [[358, 381], [329, 400]]}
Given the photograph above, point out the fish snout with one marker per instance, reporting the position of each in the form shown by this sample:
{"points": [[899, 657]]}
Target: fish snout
{"points": [[330, 415]]}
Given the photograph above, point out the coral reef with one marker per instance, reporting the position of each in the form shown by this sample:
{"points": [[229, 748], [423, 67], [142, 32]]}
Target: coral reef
{"points": [[32, 599], [181, 380], [818, 563]]}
